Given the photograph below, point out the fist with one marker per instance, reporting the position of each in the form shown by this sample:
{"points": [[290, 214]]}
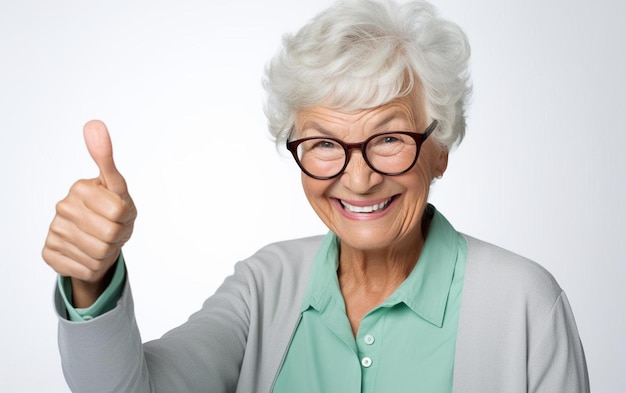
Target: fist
{"points": [[92, 223]]}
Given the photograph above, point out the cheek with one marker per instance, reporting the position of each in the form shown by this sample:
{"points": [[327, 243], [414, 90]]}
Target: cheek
{"points": [[427, 161], [314, 189], [417, 181], [315, 192], [421, 180], [306, 185]]}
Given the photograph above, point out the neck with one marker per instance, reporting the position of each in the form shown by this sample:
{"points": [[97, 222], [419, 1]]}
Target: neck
{"points": [[368, 277], [378, 273], [381, 271]]}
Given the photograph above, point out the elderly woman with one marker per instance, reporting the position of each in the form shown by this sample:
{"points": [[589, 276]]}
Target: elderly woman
{"points": [[369, 98]]}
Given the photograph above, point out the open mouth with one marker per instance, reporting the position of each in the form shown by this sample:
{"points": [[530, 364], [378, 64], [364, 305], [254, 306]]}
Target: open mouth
{"points": [[367, 209]]}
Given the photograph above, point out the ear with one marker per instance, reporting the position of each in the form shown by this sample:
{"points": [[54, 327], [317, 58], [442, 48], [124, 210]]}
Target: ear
{"points": [[442, 162]]}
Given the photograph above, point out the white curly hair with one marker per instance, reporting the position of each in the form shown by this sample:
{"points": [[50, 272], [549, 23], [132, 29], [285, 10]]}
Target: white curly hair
{"points": [[361, 54]]}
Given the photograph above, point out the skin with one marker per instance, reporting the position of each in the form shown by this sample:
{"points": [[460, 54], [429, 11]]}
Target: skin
{"points": [[92, 223], [378, 250]]}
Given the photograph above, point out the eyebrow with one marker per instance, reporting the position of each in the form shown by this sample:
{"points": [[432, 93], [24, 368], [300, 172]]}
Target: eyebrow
{"points": [[314, 125], [390, 117]]}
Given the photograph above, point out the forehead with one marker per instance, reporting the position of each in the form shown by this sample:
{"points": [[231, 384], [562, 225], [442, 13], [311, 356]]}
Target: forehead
{"points": [[401, 114]]}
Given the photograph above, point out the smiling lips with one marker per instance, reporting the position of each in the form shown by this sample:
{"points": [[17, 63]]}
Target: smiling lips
{"points": [[366, 209]]}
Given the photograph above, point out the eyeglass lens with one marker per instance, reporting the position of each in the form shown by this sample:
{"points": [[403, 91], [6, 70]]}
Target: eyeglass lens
{"points": [[388, 153]]}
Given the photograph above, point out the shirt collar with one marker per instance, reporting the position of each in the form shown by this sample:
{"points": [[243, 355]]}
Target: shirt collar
{"points": [[426, 289], [323, 283]]}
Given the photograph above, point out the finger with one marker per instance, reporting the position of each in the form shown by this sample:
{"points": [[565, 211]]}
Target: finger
{"points": [[90, 194], [99, 145], [71, 267], [65, 235]]}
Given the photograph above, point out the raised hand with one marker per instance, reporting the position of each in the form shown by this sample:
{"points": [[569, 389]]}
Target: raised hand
{"points": [[92, 223]]}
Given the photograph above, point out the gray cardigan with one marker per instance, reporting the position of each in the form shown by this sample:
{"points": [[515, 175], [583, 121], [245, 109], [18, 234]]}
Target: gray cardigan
{"points": [[516, 331]]}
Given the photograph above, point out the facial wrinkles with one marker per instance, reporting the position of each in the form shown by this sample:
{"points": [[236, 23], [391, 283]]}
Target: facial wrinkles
{"points": [[414, 206], [358, 177], [357, 126], [359, 182], [410, 204]]}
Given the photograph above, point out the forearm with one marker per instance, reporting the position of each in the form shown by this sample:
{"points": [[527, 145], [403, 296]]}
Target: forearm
{"points": [[104, 354]]}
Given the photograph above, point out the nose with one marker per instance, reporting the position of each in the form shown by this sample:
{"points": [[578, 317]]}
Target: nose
{"points": [[358, 176]]}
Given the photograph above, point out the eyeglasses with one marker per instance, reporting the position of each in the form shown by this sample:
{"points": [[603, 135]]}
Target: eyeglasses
{"points": [[389, 153]]}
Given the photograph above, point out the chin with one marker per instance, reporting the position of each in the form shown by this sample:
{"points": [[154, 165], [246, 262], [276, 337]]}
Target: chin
{"points": [[368, 240]]}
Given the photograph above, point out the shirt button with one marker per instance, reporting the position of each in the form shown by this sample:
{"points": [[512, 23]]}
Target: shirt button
{"points": [[369, 339], [366, 362]]}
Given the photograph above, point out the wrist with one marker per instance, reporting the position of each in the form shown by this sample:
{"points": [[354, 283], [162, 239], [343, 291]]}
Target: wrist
{"points": [[85, 293]]}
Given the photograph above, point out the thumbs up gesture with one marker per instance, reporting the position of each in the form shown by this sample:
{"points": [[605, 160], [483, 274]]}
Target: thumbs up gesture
{"points": [[92, 223]]}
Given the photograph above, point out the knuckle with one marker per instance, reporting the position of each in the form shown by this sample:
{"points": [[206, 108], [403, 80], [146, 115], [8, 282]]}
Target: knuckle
{"points": [[49, 245], [54, 260], [110, 233], [80, 187], [68, 207], [53, 242], [122, 212], [47, 255], [101, 251], [96, 270], [87, 270], [85, 274], [116, 211], [62, 207], [59, 229]]}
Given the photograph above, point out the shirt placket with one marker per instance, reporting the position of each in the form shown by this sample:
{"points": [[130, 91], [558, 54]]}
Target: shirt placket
{"points": [[368, 342]]}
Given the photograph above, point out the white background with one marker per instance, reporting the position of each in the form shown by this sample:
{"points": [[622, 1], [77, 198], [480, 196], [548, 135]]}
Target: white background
{"points": [[541, 172]]}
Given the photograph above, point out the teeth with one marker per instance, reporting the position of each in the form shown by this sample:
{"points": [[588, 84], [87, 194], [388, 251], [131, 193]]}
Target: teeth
{"points": [[365, 209]]}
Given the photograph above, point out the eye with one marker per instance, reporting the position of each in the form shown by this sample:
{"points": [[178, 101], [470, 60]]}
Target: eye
{"points": [[321, 144], [386, 141], [320, 147], [325, 144], [389, 139], [391, 144]]}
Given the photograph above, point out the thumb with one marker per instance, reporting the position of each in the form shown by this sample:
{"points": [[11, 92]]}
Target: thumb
{"points": [[98, 143]]}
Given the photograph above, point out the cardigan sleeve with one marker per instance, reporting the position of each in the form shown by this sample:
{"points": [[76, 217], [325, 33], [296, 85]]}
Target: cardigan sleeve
{"points": [[556, 361], [105, 302], [106, 354]]}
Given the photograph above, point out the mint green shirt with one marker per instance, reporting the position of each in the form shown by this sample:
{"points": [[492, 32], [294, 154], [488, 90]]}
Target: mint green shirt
{"points": [[406, 344], [105, 302]]}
